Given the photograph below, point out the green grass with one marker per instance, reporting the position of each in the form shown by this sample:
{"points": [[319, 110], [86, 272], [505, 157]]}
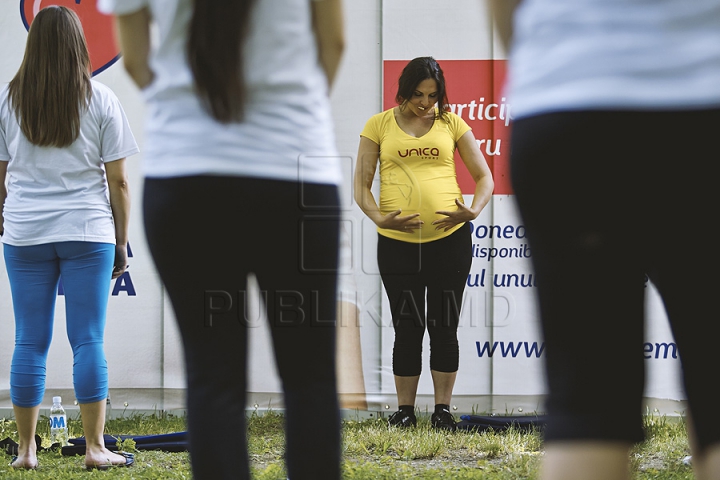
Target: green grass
{"points": [[371, 450]]}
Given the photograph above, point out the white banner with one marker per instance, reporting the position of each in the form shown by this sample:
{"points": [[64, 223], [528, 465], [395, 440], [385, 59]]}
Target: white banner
{"points": [[501, 349]]}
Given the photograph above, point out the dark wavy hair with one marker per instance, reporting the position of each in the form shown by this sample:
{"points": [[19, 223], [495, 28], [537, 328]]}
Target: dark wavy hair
{"points": [[417, 70], [217, 32], [52, 86]]}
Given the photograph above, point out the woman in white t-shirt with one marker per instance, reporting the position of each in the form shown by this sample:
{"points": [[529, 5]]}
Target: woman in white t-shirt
{"points": [[63, 143], [241, 177]]}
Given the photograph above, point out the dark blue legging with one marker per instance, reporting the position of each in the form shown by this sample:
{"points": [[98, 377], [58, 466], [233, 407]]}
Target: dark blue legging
{"points": [[420, 274], [206, 234], [34, 271]]}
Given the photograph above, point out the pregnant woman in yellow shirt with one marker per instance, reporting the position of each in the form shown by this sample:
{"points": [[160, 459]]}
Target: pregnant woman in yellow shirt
{"points": [[424, 243]]}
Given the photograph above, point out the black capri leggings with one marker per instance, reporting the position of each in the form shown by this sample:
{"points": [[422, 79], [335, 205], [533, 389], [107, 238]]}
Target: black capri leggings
{"points": [[608, 197], [416, 275]]}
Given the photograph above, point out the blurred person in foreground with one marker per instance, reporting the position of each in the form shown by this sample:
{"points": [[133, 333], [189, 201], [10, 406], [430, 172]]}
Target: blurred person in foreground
{"points": [[63, 143], [241, 177], [616, 108]]}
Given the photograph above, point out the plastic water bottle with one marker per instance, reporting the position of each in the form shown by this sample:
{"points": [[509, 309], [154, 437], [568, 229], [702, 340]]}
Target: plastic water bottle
{"points": [[108, 409], [58, 423]]}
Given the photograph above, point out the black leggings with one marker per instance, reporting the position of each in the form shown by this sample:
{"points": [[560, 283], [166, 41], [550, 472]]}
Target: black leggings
{"points": [[206, 234], [409, 272], [608, 197]]}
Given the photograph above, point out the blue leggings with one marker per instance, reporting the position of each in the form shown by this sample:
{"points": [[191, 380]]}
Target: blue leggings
{"points": [[34, 272]]}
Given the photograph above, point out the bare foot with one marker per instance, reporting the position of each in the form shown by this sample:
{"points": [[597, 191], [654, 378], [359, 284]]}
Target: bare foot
{"points": [[28, 462], [103, 458]]}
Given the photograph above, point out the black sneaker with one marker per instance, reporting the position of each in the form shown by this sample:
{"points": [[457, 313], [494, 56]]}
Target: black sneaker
{"points": [[402, 419], [443, 421]]}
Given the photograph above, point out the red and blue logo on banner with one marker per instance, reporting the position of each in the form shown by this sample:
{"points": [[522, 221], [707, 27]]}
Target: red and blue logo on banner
{"points": [[99, 28]]}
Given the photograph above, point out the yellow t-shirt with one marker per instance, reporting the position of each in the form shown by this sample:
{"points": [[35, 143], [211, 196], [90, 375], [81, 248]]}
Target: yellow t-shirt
{"points": [[417, 174]]}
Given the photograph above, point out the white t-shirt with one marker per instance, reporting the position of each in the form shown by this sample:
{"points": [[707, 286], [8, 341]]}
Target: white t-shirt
{"points": [[61, 194], [610, 54], [287, 133]]}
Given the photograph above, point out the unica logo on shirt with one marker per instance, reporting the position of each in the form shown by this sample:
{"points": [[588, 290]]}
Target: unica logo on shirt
{"points": [[420, 152], [477, 97]]}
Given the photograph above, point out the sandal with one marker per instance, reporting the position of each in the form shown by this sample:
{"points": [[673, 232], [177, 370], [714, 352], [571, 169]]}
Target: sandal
{"points": [[129, 461]]}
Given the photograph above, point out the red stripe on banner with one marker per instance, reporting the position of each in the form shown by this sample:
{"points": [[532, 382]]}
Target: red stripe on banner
{"points": [[475, 93]]}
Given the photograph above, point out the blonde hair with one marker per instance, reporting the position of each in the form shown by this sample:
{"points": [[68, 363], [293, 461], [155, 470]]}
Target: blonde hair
{"points": [[51, 89]]}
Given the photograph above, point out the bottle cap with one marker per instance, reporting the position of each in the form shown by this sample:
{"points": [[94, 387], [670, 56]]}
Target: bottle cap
{"points": [[57, 399]]}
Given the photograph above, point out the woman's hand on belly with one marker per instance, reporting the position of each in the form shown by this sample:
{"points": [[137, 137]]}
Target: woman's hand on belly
{"points": [[406, 223], [452, 218]]}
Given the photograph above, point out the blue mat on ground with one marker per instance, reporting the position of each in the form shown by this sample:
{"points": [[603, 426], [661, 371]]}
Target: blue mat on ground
{"points": [[499, 423], [168, 442]]}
